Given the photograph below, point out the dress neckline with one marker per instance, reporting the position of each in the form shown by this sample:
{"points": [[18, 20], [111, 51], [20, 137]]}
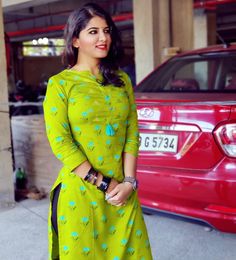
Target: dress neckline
{"points": [[86, 72]]}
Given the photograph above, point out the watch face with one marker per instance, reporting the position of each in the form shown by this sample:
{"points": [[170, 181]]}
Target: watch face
{"points": [[135, 185]]}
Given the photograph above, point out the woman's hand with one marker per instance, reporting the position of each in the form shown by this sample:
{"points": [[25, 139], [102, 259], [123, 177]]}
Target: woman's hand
{"points": [[119, 195], [112, 185]]}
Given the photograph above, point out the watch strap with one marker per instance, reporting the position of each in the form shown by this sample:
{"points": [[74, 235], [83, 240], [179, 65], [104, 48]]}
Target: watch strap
{"points": [[131, 180]]}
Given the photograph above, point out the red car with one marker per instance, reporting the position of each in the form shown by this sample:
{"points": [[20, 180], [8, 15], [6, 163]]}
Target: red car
{"points": [[187, 122]]}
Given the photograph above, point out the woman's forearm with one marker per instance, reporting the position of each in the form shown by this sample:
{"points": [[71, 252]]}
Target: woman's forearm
{"points": [[130, 165], [82, 171]]}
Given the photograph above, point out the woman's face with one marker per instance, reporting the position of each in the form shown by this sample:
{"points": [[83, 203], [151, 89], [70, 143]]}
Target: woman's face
{"points": [[94, 40]]}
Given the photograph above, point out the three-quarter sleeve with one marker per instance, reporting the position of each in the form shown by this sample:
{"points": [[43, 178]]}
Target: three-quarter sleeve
{"points": [[132, 134], [58, 127]]}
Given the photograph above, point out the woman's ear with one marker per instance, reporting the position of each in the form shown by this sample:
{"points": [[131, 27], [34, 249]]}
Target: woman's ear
{"points": [[75, 42]]}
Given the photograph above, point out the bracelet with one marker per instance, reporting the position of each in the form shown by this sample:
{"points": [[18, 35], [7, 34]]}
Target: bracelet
{"points": [[90, 178], [104, 184], [88, 174], [91, 175], [95, 177]]}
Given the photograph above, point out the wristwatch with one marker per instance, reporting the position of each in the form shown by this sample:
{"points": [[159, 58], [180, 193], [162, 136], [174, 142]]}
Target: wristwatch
{"points": [[131, 180]]}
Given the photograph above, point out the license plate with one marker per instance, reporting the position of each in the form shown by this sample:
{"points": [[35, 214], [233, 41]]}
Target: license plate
{"points": [[158, 142]]}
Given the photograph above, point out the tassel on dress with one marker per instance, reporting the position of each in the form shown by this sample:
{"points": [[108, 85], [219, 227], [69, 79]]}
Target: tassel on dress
{"points": [[109, 130]]}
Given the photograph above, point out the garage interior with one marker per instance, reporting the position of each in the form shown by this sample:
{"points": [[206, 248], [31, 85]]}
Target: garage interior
{"points": [[32, 32]]}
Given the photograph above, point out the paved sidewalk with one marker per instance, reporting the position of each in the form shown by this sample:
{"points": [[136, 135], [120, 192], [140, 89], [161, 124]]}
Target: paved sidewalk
{"points": [[23, 236], [23, 231]]}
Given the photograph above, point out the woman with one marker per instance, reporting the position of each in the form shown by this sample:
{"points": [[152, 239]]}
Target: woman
{"points": [[91, 124]]}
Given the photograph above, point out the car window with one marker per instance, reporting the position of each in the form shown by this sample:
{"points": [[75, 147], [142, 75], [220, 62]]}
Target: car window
{"points": [[193, 74], [229, 74]]}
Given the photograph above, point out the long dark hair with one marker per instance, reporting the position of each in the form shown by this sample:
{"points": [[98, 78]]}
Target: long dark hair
{"points": [[77, 21]]}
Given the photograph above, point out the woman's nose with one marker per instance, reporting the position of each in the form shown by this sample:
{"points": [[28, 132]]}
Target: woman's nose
{"points": [[102, 36]]}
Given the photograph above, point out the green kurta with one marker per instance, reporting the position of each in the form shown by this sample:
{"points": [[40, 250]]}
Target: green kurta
{"points": [[87, 121]]}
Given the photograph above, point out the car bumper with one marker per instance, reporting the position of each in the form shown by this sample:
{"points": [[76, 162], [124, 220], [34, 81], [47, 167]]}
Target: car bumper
{"points": [[207, 196]]}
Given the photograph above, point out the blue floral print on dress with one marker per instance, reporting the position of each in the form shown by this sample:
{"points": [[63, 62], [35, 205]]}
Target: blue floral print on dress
{"points": [[86, 250], [115, 126], [59, 156], [91, 145], [104, 247], [84, 115], [63, 187], [117, 157], [62, 219], [120, 212], [109, 130], [110, 173], [124, 242], [108, 143], [85, 220], [77, 129], [97, 129], [94, 204], [82, 190], [72, 101], [104, 218], [65, 125], [72, 205], [112, 230], [87, 97], [65, 250], [75, 235], [100, 160], [50, 82], [130, 223], [54, 110], [62, 82], [138, 233], [62, 96], [130, 250], [95, 234], [59, 139]]}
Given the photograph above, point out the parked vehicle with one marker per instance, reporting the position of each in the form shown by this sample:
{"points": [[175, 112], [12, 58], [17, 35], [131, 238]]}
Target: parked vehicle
{"points": [[24, 100], [187, 121]]}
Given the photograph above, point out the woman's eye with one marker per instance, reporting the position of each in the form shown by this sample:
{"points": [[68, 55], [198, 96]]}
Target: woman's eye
{"points": [[93, 32], [107, 31]]}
